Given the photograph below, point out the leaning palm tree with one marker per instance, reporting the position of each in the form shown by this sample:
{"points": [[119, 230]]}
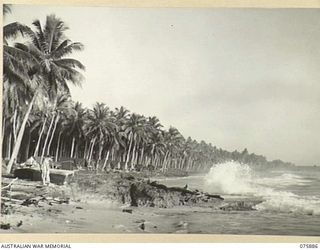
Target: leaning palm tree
{"points": [[48, 48], [63, 106], [19, 81]]}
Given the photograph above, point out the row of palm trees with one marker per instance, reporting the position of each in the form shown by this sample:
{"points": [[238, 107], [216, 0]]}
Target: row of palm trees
{"points": [[40, 118], [104, 137]]}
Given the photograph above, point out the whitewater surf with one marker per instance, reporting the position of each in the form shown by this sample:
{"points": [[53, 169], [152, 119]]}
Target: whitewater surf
{"points": [[288, 199], [275, 189]]}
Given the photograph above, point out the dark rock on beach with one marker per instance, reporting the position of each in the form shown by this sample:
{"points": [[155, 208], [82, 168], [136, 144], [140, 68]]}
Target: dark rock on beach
{"points": [[129, 211], [142, 226], [5, 226], [135, 191]]}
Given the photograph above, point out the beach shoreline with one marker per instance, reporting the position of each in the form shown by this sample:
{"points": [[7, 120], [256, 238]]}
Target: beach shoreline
{"points": [[101, 203], [94, 204]]}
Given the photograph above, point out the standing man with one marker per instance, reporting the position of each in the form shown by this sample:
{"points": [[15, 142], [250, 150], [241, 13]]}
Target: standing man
{"points": [[45, 170]]}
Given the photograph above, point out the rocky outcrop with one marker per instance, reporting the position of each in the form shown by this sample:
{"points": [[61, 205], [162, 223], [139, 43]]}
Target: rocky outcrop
{"points": [[157, 195], [135, 191]]}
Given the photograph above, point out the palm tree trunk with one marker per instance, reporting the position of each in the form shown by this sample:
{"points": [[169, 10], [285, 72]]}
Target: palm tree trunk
{"points": [[91, 151], [88, 150], [85, 150], [141, 156], [105, 161], [53, 132], [61, 148], [47, 137], [165, 161], [128, 154], [25, 155], [72, 147], [155, 161], [158, 161], [149, 160], [9, 145], [39, 139], [136, 157], [112, 154], [179, 163], [188, 163], [169, 159], [76, 150], [133, 153], [3, 129], [14, 126], [17, 145], [99, 155], [58, 145], [182, 162]]}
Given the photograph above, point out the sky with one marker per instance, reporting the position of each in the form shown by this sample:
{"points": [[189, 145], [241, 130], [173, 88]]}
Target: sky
{"points": [[238, 78]]}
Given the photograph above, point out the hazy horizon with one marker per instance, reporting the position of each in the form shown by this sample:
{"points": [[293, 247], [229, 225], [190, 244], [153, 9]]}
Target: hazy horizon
{"points": [[237, 78]]}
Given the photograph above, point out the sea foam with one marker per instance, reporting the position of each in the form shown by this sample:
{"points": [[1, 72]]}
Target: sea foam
{"points": [[234, 178]]}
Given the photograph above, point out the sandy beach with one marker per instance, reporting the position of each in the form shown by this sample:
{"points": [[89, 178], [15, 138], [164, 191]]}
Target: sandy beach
{"points": [[96, 217], [99, 206], [102, 203]]}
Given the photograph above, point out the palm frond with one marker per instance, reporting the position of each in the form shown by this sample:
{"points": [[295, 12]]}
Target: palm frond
{"points": [[40, 35], [34, 38], [30, 49], [16, 66], [64, 72], [67, 49], [72, 63], [21, 53], [6, 9], [12, 30], [54, 32]]}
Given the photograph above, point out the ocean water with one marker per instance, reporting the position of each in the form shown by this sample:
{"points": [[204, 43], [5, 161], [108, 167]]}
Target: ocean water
{"points": [[289, 200]]}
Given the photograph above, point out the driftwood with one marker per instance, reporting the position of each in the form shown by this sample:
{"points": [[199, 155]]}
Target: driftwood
{"points": [[11, 199], [35, 185], [35, 200], [10, 184], [17, 192]]}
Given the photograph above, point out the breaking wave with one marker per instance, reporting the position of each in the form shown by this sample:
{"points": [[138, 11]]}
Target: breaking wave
{"points": [[233, 178]]}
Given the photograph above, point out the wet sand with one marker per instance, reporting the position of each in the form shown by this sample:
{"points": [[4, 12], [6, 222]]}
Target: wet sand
{"points": [[95, 217]]}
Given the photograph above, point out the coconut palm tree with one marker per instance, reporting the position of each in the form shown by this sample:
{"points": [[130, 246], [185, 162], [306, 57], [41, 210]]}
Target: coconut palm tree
{"points": [[73, 126], [173, 140], [135, 133], [17, 64], [19, 83], [48, 48], [100, 128], [63, 108]]}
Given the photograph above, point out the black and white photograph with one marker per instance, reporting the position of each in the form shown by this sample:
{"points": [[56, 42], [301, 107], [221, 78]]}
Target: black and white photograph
{"points": [[119, 120]]}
